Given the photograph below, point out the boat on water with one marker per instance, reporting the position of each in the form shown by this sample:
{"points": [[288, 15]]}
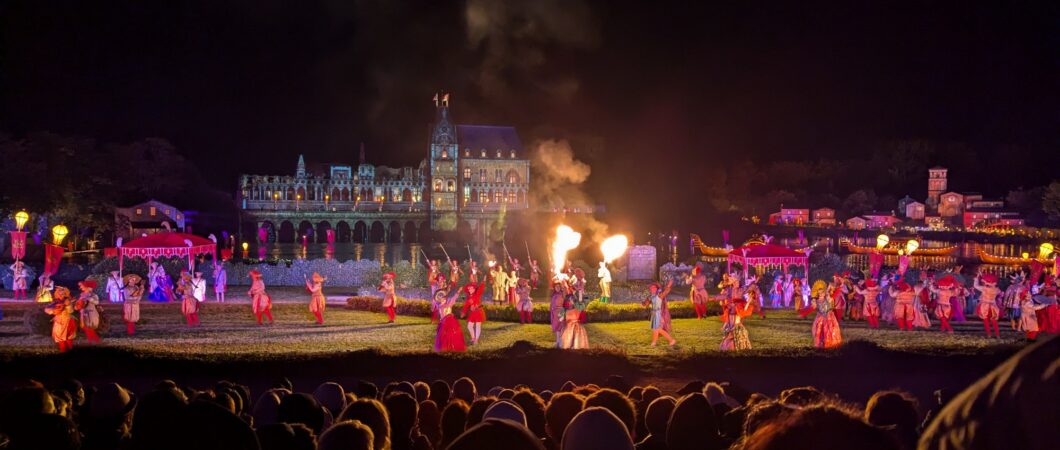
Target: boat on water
{"points": [[707, 250], [894, 248], [1008, 260]]}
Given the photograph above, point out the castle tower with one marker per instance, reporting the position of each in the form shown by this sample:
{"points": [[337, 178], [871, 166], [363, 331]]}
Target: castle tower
{"points": [[300, 171], [443, 160], [936, 186]]}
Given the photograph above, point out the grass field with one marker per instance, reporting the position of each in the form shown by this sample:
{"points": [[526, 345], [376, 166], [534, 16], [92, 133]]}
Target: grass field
{"points": [[228, 332]]}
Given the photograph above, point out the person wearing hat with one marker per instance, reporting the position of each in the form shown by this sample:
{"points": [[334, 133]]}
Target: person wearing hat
{"points": [[473, 310], [134, 291], [448, 337], [513, 283], [870, 306], [945, 289], [556, 310], [45, 288], [573, 336], [115, 287], [986, 284], [500, 283], [18, 279], [198, 287], [189, 305], [64, 327], [389, 296], [454, 271], [525, 305], [317, 302], [88, 306], [904, 304], [1028, 312], [260, 301], [440, 283], [660, 312], [220, 282], [753, 299], [838, 291], [826, 332]]}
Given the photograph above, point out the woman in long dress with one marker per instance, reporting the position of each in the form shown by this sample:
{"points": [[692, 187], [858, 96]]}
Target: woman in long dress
{"points": [[317, 302], [573, 336], [130, 310], [64, 327], [260, 301], [439, 284], [525, 304], [449, 337], [88, 308], [920, 306], [826, 333], [660, 313], [734, 334], [389, 295], [556, 309], [473, 310]]}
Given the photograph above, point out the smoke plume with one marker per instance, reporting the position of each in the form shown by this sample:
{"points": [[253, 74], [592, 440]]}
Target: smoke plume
{"points": [[559, 179]]}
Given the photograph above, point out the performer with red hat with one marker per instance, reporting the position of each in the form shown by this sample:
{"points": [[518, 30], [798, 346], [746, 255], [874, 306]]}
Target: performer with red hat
{"points": [[189, 305], [389, 296], [945, 289], [64, 327], [986, 284], [870, 306], [904, 304], [260, 301], [317, 301], [473, 310], [130, 311], [88, 306]]}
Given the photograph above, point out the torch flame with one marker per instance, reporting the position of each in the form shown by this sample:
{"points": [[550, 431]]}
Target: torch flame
{"points": [[613, 247], [566, 240]]}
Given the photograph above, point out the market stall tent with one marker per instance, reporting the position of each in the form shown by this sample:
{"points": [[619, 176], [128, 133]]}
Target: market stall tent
{"points": [[759, 253], [166, 244]]}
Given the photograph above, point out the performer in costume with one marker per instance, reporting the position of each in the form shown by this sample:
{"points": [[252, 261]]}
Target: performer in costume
{"points": [[904, 305], [838, 291], [605, 282], [1049, 317], [454, 271], [826, 332], [198, 287], [1010, 299], [729, 293], [115, 287], [45, 288], [189, 305], [923, 300], [573, 335], [776, 292], [958, 301], [887, 302], [987, 309], [64, 327], [870, 305], [130, 311], [439, 283], [433, 269], [525, 304], [472, 272], [789, 290], [699, 294], [577, 287], [804, 293], [1028, 312], [449, 337], [945, 288], [513, 283], [317, 302], [220, 282], [753, 296], [556, 309], [18, 279], [473, 311], [88, 307], [734, 334], [535, 273], [660, 312], [389, 296], [516, 266], [500, 284], [260, 301]]}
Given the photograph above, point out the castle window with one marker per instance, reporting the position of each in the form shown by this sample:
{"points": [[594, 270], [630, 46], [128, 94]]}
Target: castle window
{"points": [[437, 185], [482, 175], [513, 154], [153, 211], [513, 177], [497, 175], [467, 173], [511, 197], [445, 154], [467, 194], [498, 197], [450, 186], [483, 197], [139, 211], [483, 153], [467, 152], [498, 153]]}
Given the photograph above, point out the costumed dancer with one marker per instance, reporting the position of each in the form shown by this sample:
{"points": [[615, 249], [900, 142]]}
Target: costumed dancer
{"points": [[439, 283], [130, 310], [389, 296], [556, 309], [699, 294], [920, 312], [161, 289], [789, 290], [260, 301], [803, 291], [660, 312], [317, 302], [198, 287], [88, 306], [433, 269], [189, 305], [500, 284], [220, 282], [752, 294], [826, 332], [449, 337], [513, 283], [776, 292], [535, 273], [525, 304], [870, 305], [839, 291], [605, 282], [1010, 299], [472, 272], [1049, 317], [473, 311], [1028, 313], [454, 272], [887, 301], [958, 301], [729, 293], [573, 336], [904, 305], [64, 327], [577, 287], [115, 287], [945, 289], [734, 334], [45, 288], [18, 279], [987, 310]]}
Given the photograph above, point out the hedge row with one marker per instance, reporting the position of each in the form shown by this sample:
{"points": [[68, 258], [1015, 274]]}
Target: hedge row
{"points": [[596, 311]]}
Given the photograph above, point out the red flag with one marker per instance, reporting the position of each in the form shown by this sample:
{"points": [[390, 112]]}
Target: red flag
{"points": [[18, 244], [53, 254]]}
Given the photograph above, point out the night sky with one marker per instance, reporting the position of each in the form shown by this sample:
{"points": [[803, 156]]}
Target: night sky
{"points": [[665, 90]]}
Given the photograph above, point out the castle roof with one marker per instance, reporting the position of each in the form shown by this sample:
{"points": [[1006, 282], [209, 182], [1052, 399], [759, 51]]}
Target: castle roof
{"points": [[488, 137]]}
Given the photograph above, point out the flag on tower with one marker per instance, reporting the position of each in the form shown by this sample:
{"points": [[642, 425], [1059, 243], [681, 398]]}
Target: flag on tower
{"points": [[435, 99], [445, 100]]}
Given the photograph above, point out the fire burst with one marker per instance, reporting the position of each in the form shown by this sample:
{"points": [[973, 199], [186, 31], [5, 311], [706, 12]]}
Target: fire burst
{"points": [[613, 247], [566, 240]]}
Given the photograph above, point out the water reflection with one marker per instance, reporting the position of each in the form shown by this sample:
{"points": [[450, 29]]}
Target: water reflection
{"points": [[390, 253]]}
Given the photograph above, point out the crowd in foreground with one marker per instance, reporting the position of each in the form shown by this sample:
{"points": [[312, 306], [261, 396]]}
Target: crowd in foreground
{"points": [[1014, 406]]}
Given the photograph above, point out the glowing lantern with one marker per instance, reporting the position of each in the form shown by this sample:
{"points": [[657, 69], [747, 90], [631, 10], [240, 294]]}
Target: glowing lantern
{"points": [[1045, 250], [59, 232], [1025, 255], [911, 246], [21, 218], [566, 240], [613, 247], [245, 246], [882, 241]]}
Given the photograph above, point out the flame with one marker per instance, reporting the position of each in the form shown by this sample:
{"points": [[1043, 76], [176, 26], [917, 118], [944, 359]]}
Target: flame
{"points": [[566, 240], [613, 247]]}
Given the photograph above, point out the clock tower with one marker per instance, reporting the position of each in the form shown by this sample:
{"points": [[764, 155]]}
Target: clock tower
{"points": [[443, 163]]}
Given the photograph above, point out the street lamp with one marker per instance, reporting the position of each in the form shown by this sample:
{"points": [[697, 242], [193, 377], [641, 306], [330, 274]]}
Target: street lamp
{"points": [[59, 232], [21, 218], [297, 202]]}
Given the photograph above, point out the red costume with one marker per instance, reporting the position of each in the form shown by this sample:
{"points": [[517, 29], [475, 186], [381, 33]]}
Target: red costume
{"points": [[64, 327], [389, 296], [474, 304], [987, 309], [946, 289], [260, 301], [904, 305], [317, 302]]}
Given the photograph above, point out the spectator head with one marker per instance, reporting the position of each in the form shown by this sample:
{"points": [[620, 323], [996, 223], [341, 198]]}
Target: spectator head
{"points": [[301, 408], [898, 410], [283, 383], [276, 436], [649, 394], [454, 421], [691, 387], [802, 396], [405, 387], [820, 427], [596, 428], [370, 412], [464, 389], [560, 411], [617, 403], [658, 415], [423, 391], [346, 435], [403, 409], [216, 429], [693, 425], [495, 391], [76, 390], [366, 389], [764, 413], [716, 396], [635, 393], [568, 386], [28, 400], [429, 419], [330, 395], [111, 406], [497, 433], [546, 395], [44, 431], [534, 408], [617, 382], [507, 410], [152, 425], [440, 393], [477, 409], [506, 394], [266, 409]]}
